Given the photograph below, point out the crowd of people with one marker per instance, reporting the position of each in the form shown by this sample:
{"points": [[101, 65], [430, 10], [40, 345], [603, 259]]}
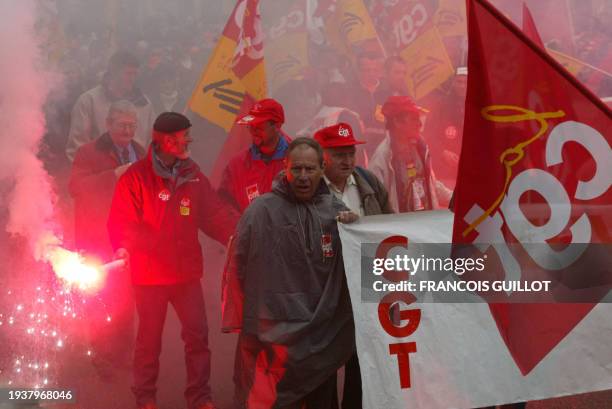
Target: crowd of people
{"points": [[344, 141], [294, 314]]}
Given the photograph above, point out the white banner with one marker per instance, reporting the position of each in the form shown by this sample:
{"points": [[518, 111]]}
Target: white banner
{"points": [[455, 357]]}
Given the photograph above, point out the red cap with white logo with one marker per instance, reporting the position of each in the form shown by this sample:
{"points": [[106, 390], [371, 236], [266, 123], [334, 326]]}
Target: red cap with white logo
{"points": [[264, 110], [336, 136]]}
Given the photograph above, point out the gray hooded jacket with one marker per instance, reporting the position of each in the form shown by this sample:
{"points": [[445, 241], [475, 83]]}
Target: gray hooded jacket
{"points": [[294, 294]]}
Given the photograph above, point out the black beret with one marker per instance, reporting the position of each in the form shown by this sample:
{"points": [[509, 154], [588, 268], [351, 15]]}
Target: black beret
{"points": [[170, 122]]}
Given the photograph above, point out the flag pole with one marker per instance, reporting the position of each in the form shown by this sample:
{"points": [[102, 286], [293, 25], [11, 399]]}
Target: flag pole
{"points": [[542, 53], [576, 60]]}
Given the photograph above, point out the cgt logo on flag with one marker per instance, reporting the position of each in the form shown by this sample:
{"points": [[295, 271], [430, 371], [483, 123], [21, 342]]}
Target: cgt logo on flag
{"points": [[249, 50], [561, 213], [488, 223], [543, 173]]}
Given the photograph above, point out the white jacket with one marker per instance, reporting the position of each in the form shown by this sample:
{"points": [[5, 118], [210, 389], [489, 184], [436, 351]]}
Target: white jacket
{"points": [[381, 164]]}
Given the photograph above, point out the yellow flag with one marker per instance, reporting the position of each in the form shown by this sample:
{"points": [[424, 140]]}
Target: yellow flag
{"points": [[573, 65], [287, 58], [450, 19], [235, 73], [219, 93], [429, 65], [287, 44], [350, 27]]}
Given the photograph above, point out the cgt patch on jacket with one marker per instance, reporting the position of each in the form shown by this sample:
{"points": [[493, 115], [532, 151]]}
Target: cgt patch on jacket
{"points": [[326, 245], [252, 192], [185, 207], [164, 195]]}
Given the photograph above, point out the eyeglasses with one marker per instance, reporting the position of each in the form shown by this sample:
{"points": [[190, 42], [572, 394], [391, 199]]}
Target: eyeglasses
{"points": [[125, 126]]}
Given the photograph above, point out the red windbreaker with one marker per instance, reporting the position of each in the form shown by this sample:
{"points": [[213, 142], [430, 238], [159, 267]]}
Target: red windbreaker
{"points": [[246, 176], [92, 183], [157, 221]]}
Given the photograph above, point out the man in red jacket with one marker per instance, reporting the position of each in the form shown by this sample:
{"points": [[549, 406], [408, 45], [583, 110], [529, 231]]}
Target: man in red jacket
{"points": [[97, 166], [95, 170], [250, 173], [160, 203]]}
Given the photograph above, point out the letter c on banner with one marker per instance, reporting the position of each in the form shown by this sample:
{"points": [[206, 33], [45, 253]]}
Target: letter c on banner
{"points": [[384, 248]]}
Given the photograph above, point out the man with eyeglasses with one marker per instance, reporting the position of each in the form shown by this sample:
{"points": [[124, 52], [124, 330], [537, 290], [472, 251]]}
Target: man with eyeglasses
{"points": [[159, 206], [403, 162], [96, 168], [249, 174]]}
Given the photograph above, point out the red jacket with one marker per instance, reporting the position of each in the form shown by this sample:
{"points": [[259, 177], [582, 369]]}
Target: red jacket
{"points": [[157, 221], [92, 183], [247, 176]]}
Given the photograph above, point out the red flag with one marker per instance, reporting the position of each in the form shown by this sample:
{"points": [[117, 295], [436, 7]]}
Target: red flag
{"points": [[554, 19], [534, 176], [232, 81], [529, 27]]}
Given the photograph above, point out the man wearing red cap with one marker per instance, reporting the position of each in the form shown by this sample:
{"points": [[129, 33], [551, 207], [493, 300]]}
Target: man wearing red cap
{"points": [[402, 160], [250, 174], [358, 188], [362, 192], [160, 204]]}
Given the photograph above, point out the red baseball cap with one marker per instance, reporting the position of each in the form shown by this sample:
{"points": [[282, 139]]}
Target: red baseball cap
{"points": [[336, 136], [264, 110], [396, 105]]}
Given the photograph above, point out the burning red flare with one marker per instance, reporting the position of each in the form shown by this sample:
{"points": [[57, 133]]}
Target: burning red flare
{"points": [[73, 271]]}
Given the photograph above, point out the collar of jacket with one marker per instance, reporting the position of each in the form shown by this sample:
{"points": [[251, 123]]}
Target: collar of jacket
{"points": [[105, 144], [364, 187], [279, 153], [280, 187], [187, 168]]}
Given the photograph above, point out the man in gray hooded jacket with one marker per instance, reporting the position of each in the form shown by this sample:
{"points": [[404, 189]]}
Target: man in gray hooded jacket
{"points": [[296, 322]]}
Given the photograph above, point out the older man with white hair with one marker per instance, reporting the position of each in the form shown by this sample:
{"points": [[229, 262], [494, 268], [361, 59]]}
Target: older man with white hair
{"points": [[97, 167]]}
